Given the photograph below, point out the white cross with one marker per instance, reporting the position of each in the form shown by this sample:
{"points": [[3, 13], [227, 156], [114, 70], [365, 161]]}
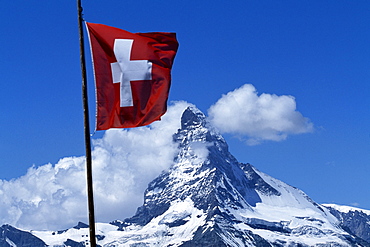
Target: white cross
{"points": [[124, 70]]}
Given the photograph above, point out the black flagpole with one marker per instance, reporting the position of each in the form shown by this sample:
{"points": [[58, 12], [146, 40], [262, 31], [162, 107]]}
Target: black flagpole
{"points": [[90, 195]]}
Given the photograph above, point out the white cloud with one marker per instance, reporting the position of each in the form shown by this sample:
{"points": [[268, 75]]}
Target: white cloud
{"points": [[258, 117], [200, 150], [53, 197]]}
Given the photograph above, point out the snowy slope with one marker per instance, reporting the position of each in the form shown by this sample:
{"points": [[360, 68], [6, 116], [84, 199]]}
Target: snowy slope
{"points": [[291, 218], [346, 209]]}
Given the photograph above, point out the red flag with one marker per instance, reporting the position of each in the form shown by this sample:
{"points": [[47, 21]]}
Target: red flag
{"points": [[132, 75]]}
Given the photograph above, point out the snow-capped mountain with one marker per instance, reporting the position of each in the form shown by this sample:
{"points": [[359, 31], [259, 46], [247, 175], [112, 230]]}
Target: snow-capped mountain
{"points": [[208, 198]]}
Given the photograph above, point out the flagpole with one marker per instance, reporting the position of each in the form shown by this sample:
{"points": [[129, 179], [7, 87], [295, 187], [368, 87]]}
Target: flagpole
{"points": [[90, 195]]}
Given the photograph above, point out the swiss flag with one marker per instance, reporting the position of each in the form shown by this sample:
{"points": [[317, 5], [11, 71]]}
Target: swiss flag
{"points": [[132, 75]]}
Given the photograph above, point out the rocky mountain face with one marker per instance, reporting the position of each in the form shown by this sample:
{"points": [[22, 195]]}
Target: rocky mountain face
{"points": [[354, 221], [209, 199], [11, 236]]}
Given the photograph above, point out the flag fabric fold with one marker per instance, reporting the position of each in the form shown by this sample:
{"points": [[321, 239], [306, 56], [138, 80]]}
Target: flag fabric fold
{"points": [[132, 75]]}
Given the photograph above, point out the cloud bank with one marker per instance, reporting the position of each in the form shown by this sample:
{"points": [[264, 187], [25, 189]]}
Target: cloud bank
{"points": [[53, 197], [258, 118]]}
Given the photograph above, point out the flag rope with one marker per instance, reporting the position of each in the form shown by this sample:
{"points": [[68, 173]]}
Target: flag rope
{"points": [[90, 195]]}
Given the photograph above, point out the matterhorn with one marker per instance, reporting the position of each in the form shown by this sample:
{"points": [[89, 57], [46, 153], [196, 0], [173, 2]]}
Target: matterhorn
{"points": [[207, 198]]}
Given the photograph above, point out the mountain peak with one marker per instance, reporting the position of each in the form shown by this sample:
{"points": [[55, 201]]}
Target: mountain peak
{"points": [[207, 198], [192, 118], [196, 131]]}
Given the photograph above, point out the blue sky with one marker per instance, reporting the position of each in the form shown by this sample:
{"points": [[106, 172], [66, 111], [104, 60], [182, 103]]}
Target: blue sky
{"points": [[315, 51]]}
